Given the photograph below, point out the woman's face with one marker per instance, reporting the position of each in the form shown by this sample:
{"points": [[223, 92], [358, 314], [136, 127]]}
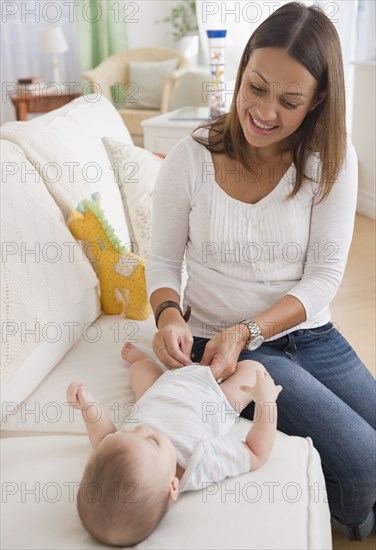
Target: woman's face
{"points": [[275, 95]]}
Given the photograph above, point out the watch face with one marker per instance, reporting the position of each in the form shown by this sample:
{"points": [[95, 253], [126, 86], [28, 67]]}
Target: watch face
{"points": [[255, 342]]}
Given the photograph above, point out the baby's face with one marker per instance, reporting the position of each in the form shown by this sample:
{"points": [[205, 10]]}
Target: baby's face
{"points": [[153, 450]]}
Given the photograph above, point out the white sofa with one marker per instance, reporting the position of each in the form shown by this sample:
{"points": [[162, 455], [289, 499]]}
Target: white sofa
{"points": [[44, 446]]}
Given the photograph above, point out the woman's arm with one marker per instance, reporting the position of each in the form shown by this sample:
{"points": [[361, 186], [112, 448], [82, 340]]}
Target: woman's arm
{"points": [[222, 351], [173, 332], [331, 230], [172, 342]]}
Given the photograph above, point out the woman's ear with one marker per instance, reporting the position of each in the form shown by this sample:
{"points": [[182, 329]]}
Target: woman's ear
{"points": [[318, 99]]}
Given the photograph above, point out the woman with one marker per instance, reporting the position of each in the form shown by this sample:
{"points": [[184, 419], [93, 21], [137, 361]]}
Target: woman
{"points": [[262, 201]]}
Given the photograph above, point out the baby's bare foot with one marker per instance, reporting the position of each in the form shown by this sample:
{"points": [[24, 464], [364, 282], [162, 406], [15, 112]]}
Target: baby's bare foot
{"points": [[131, 354]]}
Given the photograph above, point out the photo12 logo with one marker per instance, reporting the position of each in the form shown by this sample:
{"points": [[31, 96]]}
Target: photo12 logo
{"points": [[254, 12], [271, 492], [90, 11]]}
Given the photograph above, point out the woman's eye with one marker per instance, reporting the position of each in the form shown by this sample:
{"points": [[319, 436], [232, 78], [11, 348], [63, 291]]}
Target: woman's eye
{"points": [[257, 90], [290, 105]]}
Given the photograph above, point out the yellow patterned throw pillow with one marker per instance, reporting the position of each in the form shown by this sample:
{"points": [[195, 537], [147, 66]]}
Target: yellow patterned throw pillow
{"points": [[121, 273]]}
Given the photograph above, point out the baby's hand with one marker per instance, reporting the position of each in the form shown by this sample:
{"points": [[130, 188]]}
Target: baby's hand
{"points": [[77, 396], [264, 390]]}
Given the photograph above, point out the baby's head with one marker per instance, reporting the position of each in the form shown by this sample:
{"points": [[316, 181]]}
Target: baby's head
{"points": [[127, 485]]}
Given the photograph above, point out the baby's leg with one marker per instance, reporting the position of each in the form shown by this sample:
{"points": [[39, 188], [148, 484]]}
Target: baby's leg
{"points": [[245, 374], [130, 353], [144, 371]]}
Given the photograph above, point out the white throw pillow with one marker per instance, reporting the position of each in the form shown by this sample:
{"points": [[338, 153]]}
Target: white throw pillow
{"points": [[80, 125], [136, 171], [55, 165], [149, 77]]}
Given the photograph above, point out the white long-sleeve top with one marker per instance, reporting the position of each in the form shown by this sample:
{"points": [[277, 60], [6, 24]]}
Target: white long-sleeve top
{"points": [[243, 258]]}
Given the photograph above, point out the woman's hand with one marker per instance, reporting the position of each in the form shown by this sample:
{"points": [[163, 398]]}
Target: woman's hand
{"points": [[173, 342], [222, 351]]}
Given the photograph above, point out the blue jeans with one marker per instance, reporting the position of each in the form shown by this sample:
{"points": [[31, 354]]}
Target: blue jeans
{"points": [[330, 396]]}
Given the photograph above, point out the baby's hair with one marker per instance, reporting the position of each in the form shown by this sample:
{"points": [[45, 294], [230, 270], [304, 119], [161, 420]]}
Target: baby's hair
{"points": [[119, 505]]}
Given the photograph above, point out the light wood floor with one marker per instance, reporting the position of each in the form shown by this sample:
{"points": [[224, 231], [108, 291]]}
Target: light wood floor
{"points": [[353, 311]]}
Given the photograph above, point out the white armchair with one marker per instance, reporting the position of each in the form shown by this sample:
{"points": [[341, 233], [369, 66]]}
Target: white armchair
{"points": [[115, 70]]}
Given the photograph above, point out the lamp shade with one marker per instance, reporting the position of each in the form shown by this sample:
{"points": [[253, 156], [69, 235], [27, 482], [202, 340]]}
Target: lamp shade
{"points": [[52, 40]]}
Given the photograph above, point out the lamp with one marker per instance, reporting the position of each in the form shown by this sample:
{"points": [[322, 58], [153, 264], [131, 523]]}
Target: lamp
{"points": [[52, 40]]}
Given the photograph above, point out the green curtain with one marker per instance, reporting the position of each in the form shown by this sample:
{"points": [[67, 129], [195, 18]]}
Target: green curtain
{"points": [[102, 30]]}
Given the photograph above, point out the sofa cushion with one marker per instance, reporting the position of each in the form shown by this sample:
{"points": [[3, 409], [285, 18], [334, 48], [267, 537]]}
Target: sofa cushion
{"points": [[281, 505], [80, 125], [149, 78], [136, 171], [47, 284], [94, 360]]}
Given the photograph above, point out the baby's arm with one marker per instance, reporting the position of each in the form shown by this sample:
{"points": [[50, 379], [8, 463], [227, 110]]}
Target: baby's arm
{"points": [[98, 423], [260, 438]]}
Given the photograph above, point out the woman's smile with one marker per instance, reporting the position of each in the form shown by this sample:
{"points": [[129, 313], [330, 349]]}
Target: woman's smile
{"points": [[261, 128]]}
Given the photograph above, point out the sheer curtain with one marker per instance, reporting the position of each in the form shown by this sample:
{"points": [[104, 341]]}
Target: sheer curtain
{"points": [[93, 29], [101, 30], [20, 56]]}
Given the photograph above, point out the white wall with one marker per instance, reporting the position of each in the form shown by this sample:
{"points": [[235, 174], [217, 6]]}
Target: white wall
{"points": [[147, 32], [364, 135]]}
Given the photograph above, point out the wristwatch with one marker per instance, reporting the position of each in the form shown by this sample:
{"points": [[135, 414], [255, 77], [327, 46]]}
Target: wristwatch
{"points": [[255, 335]]}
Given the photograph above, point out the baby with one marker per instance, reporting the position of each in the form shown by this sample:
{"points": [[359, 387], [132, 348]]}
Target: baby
{"points": [[180, 442]]}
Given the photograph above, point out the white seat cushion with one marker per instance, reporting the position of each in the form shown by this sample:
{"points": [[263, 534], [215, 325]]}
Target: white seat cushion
{"points": [[281, 505], [94, 360]]}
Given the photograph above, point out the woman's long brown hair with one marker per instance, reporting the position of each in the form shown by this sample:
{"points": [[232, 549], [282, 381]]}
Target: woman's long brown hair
{"points": [[309, 37]]}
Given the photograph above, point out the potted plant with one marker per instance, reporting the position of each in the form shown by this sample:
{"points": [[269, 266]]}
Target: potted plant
{"points": [[183, 19]]}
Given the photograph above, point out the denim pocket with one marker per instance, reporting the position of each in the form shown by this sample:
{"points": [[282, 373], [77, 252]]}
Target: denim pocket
{"points": [[320, 331]]}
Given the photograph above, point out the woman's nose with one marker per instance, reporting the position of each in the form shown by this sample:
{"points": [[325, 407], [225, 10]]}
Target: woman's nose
{"points": [[266, 110]]}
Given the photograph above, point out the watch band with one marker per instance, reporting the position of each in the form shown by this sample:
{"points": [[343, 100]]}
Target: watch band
{"points": [[255, 333], [171, 303]]}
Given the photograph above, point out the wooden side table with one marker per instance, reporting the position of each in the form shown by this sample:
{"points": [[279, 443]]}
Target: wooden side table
{"points": [[40, 103]]}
